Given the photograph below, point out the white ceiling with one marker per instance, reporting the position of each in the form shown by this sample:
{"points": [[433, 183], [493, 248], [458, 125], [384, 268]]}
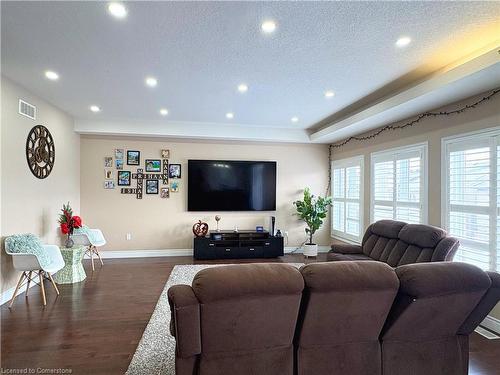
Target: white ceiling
{"points": [[201, 51]]}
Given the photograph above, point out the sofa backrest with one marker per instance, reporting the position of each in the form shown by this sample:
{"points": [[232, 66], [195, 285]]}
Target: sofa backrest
{"points": [[248, 315], [397, 243], [344, 308]]}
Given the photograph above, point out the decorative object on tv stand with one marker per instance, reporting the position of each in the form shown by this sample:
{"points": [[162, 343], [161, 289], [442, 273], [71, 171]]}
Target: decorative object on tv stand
{"points": [[68, 222], [217, 219], [200, 229], [40, 151], [312, 211]]}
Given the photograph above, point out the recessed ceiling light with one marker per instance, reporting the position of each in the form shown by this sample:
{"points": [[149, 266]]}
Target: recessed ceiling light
{"points": [[242, 88], [294, 119], [117, 9], [229, 115], [53, 76], [329, 94], [403, 41], [163, 111], [151, 81], [268, 27], [95, 108]]}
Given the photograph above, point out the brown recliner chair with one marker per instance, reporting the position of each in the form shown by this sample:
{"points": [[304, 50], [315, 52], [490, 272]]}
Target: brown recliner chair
{"points": [[397, 243], [237, 320], [423, 334], [344, 308]]}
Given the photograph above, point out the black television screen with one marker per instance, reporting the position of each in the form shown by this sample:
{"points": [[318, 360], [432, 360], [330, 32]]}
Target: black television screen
{"points": [[223, 185]]}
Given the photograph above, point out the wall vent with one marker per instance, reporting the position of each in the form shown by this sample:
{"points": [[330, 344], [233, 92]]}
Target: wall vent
{"points": [[27, 109]]}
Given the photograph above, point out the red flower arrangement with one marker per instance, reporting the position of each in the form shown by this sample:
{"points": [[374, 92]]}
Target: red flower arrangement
{"points": [[67, 221]]}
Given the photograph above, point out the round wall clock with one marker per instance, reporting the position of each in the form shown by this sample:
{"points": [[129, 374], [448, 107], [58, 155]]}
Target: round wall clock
{"points": [[40, 151]]}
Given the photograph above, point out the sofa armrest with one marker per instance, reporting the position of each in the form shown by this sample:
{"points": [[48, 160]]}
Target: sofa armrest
{"points": [[347, 249], [487, 303], [185, 322]]}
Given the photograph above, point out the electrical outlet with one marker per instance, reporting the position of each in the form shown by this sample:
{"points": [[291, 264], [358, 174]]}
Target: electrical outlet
{"points": [[129, 236]]}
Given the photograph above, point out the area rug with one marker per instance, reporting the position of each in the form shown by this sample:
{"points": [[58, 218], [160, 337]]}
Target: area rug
{"points": [[155, 354]]}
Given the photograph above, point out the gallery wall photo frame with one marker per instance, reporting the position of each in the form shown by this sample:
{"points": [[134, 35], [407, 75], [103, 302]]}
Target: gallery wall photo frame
{"points": [[152, 165], [152, 186], [174, 170], [133, 157], [124, 178]]}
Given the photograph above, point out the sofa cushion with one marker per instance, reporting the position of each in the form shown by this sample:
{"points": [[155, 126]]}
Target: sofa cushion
{"points": [[246, 280], [421, 235], [387, 228], [336, 256]]}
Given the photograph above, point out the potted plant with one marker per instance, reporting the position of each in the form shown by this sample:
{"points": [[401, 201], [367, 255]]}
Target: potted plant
{"points": [[312, 211]]}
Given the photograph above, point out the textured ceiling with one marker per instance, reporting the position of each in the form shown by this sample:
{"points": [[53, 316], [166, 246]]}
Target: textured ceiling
{"points": [[200, 52]]}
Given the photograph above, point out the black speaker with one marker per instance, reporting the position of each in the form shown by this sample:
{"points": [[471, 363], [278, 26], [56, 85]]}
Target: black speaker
{"points": [[272, 223]]}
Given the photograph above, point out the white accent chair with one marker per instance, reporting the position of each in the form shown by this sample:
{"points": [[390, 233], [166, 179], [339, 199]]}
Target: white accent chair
{"points": [[92, 242], [29, 264]]}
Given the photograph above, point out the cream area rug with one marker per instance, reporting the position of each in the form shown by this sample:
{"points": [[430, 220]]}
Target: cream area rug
{"points": [[155, 354]]}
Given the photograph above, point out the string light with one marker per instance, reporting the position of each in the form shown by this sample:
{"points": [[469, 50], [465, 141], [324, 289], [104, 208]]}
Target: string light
{"points": [[413, 122]]}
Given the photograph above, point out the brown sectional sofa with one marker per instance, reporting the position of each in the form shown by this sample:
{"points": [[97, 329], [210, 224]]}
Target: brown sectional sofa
{"points": [[331, 318], [397, 243]]}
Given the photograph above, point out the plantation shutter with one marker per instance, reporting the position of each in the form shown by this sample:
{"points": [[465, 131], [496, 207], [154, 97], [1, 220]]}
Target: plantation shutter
{"points": [[346, 199], [398, 185]]}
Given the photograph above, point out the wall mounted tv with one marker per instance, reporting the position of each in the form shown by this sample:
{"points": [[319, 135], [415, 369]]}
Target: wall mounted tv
{"points": [[225, 185]]}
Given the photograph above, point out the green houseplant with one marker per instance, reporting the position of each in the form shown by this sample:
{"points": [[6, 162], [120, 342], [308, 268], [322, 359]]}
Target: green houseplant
{"points": [[312, 210]]}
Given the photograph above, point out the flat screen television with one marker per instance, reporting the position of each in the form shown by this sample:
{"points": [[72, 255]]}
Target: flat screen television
{"points": [[225, 185]]}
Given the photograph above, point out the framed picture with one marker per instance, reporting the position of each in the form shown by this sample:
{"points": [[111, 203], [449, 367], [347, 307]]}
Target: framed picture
{"points": [[151, 186], [174, 171], [118, 153], [119, 163], [109, 184], [108, 162], [133, 157], [123, 178], [174, 187], [153, 165], [164, 192], [108, 174], [165, 154]]}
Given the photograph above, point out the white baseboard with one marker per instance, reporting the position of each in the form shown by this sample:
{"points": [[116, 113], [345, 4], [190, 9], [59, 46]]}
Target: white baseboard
{"points": [[491, 323], [300, 250], [6, 296], [145, 253]]}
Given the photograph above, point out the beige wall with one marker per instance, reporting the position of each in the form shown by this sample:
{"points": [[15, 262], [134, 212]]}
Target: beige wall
{"points": [[30, 204], [156, 223], [430, 130]]}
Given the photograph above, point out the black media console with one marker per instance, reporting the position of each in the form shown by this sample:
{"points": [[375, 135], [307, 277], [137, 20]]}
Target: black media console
{"points": [[241, 244]]}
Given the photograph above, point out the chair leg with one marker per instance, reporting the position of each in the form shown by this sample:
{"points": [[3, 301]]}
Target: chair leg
{"points": [[98, 255], [28, 285], [21, 278], [40, 276], [92, 259], [53, 283]]}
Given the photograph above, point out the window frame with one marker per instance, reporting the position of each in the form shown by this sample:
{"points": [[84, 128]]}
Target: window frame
{"points": [[489, 137], [354, 161], [391, 154]]}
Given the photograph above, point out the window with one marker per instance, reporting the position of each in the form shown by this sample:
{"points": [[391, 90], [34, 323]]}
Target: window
{"points": [[399, 184], [347, 208], [471, 196]]}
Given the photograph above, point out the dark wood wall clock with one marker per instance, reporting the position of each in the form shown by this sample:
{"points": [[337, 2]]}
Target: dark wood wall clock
{"points": [[40, 151]]}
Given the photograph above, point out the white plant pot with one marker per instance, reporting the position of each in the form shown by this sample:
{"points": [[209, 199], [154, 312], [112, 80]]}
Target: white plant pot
{"points": [[310, 250]]}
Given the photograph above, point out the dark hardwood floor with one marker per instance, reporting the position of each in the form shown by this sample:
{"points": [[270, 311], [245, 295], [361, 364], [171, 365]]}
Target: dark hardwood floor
{"points": [[94, 327]]}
